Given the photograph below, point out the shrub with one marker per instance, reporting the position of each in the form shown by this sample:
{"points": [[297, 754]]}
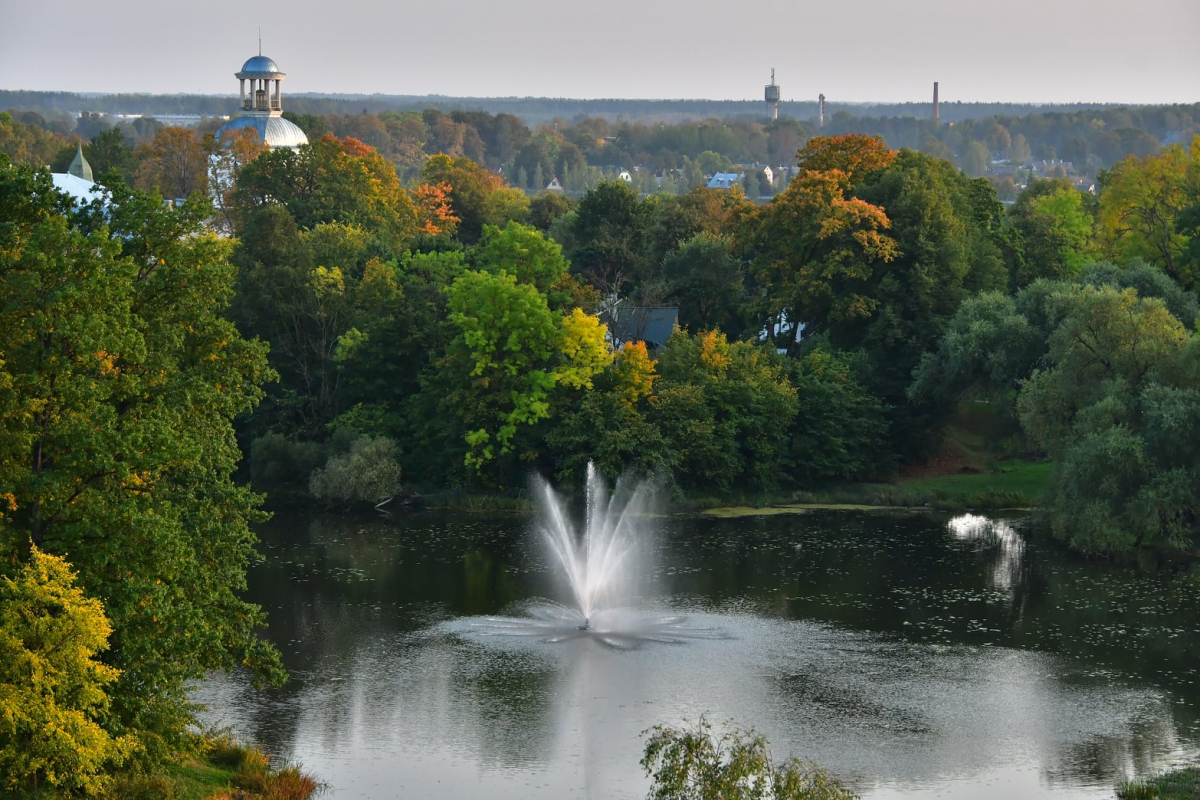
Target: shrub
{"points": [[690, 764], [276, 462], [367, 474]]}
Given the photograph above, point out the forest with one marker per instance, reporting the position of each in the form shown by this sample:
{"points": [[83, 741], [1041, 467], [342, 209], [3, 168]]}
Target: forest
{"points": [[662, 153], [389, 311]]}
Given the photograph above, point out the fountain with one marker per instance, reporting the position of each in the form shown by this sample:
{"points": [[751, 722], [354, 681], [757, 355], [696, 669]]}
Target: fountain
{"points": [[606, 568], [601, 566]]}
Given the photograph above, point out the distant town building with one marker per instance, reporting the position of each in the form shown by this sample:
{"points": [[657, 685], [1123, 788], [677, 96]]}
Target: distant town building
{"points": [[725, 180], [262, 107], [625, 176], [554, 185]]}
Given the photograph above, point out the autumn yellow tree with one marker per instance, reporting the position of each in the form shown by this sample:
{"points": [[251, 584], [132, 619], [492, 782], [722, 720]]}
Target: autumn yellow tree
{"points": [[52, 689], [1140, 205]]}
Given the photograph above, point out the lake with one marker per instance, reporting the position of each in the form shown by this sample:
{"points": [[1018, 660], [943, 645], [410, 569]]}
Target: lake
{"points": [[915, 655]]}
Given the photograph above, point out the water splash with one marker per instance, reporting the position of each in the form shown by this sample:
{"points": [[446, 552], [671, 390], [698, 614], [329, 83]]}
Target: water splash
{"points": [[604, 562], [619, 628], [998, 533]]}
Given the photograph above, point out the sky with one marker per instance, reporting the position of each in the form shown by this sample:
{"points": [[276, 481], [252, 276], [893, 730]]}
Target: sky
{"points": [[1126, 51]]}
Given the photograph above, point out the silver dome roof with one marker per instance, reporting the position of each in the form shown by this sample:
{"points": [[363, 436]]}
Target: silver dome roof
{"points": [[260, 67], [275, 132]]}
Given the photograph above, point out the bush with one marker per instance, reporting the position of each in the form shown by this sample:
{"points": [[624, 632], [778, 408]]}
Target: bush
{"points": [[142, 787], [279, 463], [690, 764], [368, 473]]}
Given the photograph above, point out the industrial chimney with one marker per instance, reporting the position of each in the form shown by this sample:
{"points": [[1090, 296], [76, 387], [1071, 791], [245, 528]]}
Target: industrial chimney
{"points": [[820, 111], [937, 119], [772, 97]]}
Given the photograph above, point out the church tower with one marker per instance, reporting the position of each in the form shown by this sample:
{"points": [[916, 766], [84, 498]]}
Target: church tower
{"points": [[262, 105]]}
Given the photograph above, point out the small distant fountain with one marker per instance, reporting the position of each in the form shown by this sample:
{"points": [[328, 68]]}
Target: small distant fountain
{"points": [[605, 566], [999, 533]]}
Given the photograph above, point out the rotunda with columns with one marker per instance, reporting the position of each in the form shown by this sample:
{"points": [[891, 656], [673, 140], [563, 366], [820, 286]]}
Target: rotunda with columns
{"points": [[262, 106]]}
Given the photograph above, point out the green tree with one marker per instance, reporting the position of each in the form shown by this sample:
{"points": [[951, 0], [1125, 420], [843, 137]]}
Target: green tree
{"points": [[946, 229], [1056, 227], [726, 408], [108, 150], [975, 159], [367, 473], [706, 281], [609, 230], [53, 699], [1117, 409], [610, 425], [840, 430], [510, 352], [676, 220], [122, 378], [329, 180], [994, 342], [547, 207]]}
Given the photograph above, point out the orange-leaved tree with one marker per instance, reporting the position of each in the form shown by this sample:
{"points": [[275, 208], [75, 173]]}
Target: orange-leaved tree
{"points": [[815, 249]]}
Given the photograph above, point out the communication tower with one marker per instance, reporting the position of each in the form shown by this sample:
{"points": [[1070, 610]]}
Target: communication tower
{"points": [[772, 97], [820, 111], [937, 116]]}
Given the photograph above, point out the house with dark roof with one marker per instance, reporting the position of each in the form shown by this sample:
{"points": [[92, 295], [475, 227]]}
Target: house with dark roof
{"points": [[650, 324]]}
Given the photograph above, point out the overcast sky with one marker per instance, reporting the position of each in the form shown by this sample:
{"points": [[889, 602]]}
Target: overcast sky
{"points": [[1140, 51]]}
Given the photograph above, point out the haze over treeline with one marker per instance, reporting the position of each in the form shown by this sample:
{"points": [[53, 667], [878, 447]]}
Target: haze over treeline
{"points": [[533, 110]]}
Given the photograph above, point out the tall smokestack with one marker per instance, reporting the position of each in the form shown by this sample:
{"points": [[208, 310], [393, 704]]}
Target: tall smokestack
{"points": [[820, 111], [937, 118]]}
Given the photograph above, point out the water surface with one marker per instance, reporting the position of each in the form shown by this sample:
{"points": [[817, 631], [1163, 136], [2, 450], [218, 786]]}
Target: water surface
{"points": [[913, 655]]}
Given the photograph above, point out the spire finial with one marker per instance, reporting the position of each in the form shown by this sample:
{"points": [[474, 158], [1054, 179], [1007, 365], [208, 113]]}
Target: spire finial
{"points": [[260, 41]]}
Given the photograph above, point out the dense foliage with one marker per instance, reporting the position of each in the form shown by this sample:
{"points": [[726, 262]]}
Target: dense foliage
{"points": [[825, 336], [119, 379]]}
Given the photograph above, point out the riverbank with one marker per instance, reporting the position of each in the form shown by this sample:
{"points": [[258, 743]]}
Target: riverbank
{"points": [[1180, 784], [220, 769], [1009, 484]]}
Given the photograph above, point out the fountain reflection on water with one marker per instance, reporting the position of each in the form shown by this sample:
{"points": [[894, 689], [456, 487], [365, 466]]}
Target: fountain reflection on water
{"points": [[606, 568]]}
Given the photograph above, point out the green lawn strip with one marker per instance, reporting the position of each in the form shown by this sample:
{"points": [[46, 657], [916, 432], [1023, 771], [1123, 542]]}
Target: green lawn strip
{"points": [[731, 512], [200, 779], [1019, 477], [1180, 784]]}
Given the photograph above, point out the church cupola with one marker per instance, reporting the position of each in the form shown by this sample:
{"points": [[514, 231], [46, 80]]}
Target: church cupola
{"points": [[265, 96], [262, 106]]}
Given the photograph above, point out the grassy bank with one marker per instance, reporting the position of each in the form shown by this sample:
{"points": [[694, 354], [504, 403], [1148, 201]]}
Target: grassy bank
{"points": [[1012, 484], [221, 769], [1181, 784]]}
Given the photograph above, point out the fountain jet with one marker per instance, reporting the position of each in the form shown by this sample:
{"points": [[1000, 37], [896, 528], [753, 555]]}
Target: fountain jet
{"points": [[601, 562]]}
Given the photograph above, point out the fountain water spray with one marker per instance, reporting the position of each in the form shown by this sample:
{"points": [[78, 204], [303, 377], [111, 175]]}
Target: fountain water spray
{"points": [[602, 563]]}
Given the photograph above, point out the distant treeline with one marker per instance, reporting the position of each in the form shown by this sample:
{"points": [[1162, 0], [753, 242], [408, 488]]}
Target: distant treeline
{"points": [[533, 110]]}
